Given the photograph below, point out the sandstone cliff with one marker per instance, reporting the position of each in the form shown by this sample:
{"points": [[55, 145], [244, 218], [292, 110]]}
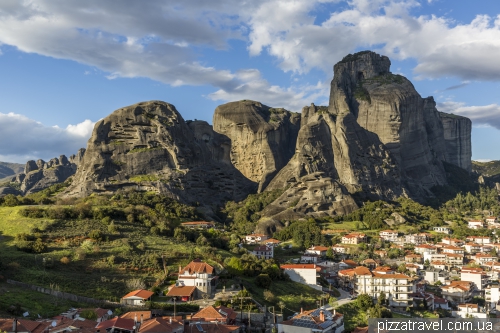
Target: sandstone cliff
{"points": [[457, 136], [148, 146], [262, 139]]}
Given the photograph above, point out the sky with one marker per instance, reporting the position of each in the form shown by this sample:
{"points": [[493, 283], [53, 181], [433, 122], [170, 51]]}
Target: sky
{"points": [[65, 64]]}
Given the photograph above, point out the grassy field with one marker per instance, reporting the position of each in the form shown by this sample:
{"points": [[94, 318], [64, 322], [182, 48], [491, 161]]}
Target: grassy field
{"points": [[101, 269], [35, 303]]}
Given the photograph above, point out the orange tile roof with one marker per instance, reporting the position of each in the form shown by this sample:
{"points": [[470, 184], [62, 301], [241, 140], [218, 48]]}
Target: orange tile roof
{"points": [[218, 328], [298, 266], [181, 291], [208, 314], [318, 248], [197, 266], [360, 270], [30, 325], [390, 276], [137, 315], [160, 325], [141, 293], [272, 240], [7, 324], [117, 322]]}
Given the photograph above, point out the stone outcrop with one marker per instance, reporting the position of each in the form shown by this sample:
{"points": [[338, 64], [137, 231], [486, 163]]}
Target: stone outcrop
{"points": [[149, 147], [262, 139], [457, 136], [8, 190], [39, 174], [9, 169]]}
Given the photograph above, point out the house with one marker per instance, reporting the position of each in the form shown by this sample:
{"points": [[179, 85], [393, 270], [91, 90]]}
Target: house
{"points": [[310, 258], [117, 324], [317, 321], [479, 239], [381, 253], [414, 258], [491, 219], [220, 314], [182, 293], [14, 326], [442, 230], [475, 224], [339, 248], [137, 316], [161, 325], [354, 238], [198, 274], [492, 295], [255, 238], [476, 275], [397, 287], [415, 239], [421, 298], [467, 310], [458, 291], [452, 249], [454, 259], [441, 303], [472, 248], [434, 275], [263, 252], [198, 225], [425, 248], [389, 235], [438, 264], [452, 241], [413, 268], [319, 250], [271, 242], [370, 263], [137, 297], [302, 273], [482, 258]]}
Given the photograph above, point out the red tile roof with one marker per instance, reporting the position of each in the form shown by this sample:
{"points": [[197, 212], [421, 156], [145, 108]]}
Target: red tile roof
{"points": [[208, 314], [160, 325], [298, 266], [117, 322], [182, 291], [197, 266], [136, 315], [141, 293]]}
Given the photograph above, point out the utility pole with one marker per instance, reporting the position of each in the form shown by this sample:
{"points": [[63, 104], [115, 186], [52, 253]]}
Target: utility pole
{"points": [[175, 307]]}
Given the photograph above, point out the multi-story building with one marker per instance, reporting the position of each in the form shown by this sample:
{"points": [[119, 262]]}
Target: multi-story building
{"points": [[491, 219], [414, 258], [197, 274], [397, 287], [354, 238], [302, 273], [452, 241], [458, 291], [467, 310], [492, 295], [479, 239], [476, 275], [415, 239], [425, 248], [454, 259], [472, 248], [337, 248], [263, 252], [452, 249], [482, 258], [389, 235], [435, 274]]}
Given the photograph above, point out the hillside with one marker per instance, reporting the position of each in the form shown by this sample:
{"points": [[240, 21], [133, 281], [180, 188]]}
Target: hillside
{"points": [[488, 169], [10, 169]]}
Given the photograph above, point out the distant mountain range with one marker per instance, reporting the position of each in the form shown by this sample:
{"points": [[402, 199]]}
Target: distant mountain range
{"points": [[10, 169]]}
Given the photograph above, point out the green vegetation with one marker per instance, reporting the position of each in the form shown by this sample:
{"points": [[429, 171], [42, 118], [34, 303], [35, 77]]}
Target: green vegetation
{"points": [[244, 215], [304, 234], [144, 178], [353, 57], [361, 93], [488, 169], [141, 150]]}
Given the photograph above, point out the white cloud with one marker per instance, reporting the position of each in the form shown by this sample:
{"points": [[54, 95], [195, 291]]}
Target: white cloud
{"points": [[486, 115], [30, 139]]}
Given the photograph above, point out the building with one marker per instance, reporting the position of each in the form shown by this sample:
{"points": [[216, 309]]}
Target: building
{"points": [[452, 249], [452, 241], [271, 242], [425, 248], [197, 274], [195, 327], [472, 248], [317, 321], [479, 239], [491, 219], [483, 258], [381, 253], [434, 275], [302, 273], [137, 297], [439, 264], [354, 238], [389, 235], [339, 249], [458, 291], [263, 252], [198, 225], [441, 303], [182, 293], [310, 258], [161, 324], [397, 287], [255, 238], [117, 324], [414, 258], [442, 230], [475, 224], [476, 275], [492, 295], [454, 259], [211, 314], [415, 239], [319, 250], [467, 310]]}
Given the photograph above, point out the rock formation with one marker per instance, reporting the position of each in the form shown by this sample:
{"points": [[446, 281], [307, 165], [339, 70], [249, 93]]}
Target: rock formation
{"points": [[377, 139], [39, 175], [262, 139], [9, 169], [148, 146]]}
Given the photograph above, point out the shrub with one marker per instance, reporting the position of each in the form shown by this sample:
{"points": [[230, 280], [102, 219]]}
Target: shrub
{"points": [[65, 260], [263, 281], [95, 235]]}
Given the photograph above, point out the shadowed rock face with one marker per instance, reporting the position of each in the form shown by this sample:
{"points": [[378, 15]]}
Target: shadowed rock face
{"points": [[148, 146], [457, 136]]}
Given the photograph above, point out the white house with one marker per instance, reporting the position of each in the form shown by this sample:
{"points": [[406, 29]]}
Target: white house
{"points": [[389, 235], [263, 252], [467, 310], [137, 297], [442, 230], [302, 273], [492, 295], [339, 248], [476, 224], [255, 238], [319, 250], [197, 274], [479, 239], [491, 219], [478, 276]]}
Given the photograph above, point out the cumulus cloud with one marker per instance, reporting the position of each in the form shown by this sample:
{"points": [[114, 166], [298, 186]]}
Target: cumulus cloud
{"points": [[480, 115], [29, 139]]}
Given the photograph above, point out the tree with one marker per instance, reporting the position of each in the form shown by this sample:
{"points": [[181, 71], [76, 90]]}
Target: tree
{"points": [[329, 253], [333, 302], [364, 302], [263, 281], [89, 314], [269, 296], [382, 298]]}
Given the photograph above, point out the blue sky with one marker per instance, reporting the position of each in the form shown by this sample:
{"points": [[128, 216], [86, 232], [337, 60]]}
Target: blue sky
{"points": [[66, 64]]}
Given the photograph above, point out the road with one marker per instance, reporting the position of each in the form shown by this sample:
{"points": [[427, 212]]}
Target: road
{"points": [[344, 297]]}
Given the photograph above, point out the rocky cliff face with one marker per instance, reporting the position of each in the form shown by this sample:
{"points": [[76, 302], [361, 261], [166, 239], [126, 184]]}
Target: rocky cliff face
{"points": [[262, 139], [457, 136], [377, 139], [148, 146], [40, 174]]}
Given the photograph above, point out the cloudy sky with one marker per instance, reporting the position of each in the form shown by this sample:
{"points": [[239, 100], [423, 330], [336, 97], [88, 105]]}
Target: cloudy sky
{"points": [[65, 64]]}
